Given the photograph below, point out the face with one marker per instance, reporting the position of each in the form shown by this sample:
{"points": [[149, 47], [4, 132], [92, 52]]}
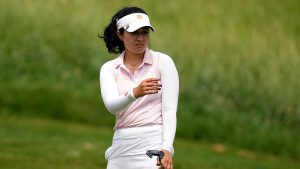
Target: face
{"points": [[135, 42]]}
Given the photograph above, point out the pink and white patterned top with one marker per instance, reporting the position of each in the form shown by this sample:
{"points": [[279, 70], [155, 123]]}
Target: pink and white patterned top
{"points": [[160, 108]]}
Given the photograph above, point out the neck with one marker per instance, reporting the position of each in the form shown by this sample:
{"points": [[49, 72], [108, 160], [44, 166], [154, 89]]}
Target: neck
{"points": [[133, 59]]}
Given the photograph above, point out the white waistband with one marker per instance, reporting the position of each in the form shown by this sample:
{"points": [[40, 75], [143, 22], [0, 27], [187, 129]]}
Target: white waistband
{"points": [[138, 132]]}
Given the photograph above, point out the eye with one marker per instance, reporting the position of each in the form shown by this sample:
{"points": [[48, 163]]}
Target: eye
{"points": [[135, 33], [145, 32]]}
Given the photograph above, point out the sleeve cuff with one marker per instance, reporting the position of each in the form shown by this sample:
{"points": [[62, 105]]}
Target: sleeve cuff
{"points": [[169, 148], [131, 94]]}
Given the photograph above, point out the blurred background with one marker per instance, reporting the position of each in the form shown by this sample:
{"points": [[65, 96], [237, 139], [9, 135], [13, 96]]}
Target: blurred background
{"points": [[239, 68]]}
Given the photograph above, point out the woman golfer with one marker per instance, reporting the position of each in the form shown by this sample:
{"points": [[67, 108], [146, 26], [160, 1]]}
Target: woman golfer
{"points": [[140, 87]]}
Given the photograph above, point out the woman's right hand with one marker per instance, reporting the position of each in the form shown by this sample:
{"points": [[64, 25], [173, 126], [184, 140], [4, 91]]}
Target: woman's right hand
{"points": [[147, 86]]}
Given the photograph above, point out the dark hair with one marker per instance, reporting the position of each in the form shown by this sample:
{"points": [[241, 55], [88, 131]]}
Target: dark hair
{"points": [[112, 41]]}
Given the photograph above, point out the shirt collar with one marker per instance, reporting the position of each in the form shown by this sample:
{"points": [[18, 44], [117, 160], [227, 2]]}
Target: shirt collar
{"points": [[148, 58]]}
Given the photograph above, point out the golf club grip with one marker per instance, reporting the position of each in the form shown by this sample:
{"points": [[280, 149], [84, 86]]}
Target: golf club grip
{"points": [[158, 153]]}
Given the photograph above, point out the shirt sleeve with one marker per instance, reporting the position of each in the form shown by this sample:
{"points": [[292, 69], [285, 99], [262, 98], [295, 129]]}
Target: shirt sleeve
{"points": [[113, 101], [170, 92]]}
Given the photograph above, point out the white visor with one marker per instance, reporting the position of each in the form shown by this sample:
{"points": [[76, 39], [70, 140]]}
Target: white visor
{"points": [[133, 22]]}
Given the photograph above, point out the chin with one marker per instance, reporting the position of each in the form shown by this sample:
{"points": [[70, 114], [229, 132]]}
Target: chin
{"points": [[140, 50]]}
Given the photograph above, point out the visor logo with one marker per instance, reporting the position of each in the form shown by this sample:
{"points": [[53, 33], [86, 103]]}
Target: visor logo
{"points": [[139, 17]]}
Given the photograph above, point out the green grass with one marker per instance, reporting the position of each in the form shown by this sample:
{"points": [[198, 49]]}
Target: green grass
{"points": [[37, 143], [32, 143], [238, 64]]}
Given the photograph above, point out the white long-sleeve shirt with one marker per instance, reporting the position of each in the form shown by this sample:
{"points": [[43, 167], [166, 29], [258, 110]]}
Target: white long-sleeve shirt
{"points": [[116, 80]]}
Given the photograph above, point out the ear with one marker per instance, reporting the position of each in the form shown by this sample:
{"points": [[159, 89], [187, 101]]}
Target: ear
{"points": [[120, 35]]}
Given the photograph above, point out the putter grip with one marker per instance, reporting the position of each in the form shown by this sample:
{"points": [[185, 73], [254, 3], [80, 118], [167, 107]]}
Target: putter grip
{"points": [[158, 153]]}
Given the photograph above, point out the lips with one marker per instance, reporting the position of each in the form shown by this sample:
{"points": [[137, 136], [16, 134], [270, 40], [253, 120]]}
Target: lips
{"points": [[139, 45]]}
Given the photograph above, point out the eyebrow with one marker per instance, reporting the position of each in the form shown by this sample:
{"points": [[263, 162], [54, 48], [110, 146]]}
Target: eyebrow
{"points": [[142, 30]]}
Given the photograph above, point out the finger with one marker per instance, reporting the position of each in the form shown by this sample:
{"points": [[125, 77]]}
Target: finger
{"points": [[164, 164], [145, 88], [158, 162], [151, 88], [152, 84], [152, 80], [167, 164]]}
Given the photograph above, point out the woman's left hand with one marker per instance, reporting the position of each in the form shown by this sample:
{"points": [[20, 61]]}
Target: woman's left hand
{"points": [[166, 162]]}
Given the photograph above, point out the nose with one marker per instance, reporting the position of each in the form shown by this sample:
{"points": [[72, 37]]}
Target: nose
{"points": [[140, 37]]}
